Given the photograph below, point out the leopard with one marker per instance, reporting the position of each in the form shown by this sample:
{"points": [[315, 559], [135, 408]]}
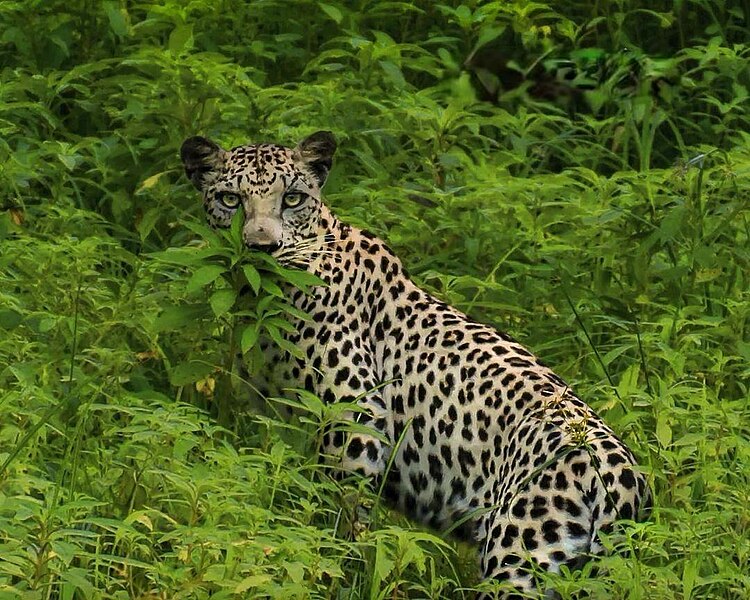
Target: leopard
{"points": [[462, 427]]}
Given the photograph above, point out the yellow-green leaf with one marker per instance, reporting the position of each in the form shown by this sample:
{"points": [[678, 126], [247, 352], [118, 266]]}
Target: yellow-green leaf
{"points": [[251, 582], [150, 182]]}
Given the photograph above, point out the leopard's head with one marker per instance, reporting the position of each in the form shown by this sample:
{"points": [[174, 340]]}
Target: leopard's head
{"points": [[278, 188]]}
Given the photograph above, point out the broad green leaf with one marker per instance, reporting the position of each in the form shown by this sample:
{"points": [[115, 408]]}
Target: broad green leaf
{"points": [[382, 567], [331, 11], [282, 342], [249, 337], [118, 18], [234, 233], [252, 275], [272, 288], [190, 372], [150, 182], [46, 324], [68, 160], [210, 235], [689, 576], [296, 571], [672, 223], [487, 35], [8, 568], [146, 224], [393, 73], [181, 38], [222, 300], [663, 430], [203, 276], [186, 257], [282, 324], [265, 303], [78, 580], [250, 582], [295, 312], [175, 317], [464, 16], [215, 573], [10, 319]]}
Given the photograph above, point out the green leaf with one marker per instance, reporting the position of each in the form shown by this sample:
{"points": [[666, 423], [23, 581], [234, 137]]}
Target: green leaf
{"points": [[46, 324], [186, 257], [464, 16], [295, 570], [203, 277], [332, 12], [77, 579], [311, 403], [249, 337], [190, 372], [68, 160], [150, 182], [393, 72], [267, 304], [222, 300], [663, 430], [146, 224], [281, 323], [252, 275], [689, 577], [8, 568], [292, 310], [272, 288], [487, 35], [299, 278], [175, 317], [283, 343], [208, 234], [672, 223], [235, 231], [251, 582], [10, 319], [181, 39], [118, 18], [259, 256], [215, 573], [382, 567]]}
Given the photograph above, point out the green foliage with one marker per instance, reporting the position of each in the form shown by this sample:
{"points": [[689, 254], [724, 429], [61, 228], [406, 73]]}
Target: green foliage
{"points": [[575, 173]]}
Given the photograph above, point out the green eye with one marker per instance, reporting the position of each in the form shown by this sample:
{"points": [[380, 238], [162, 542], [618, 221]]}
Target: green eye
{"points": [[293, 199], [229, 200]]}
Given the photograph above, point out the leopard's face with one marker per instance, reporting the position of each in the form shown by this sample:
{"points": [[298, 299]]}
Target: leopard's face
{"points": [[277, 188]]}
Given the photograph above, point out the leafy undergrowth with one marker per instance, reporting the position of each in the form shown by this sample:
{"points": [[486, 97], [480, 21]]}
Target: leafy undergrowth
{"points": [[599, 216]]}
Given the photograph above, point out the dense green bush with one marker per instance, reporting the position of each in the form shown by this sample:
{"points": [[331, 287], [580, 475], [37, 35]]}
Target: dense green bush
{"points": [[576, 174]]}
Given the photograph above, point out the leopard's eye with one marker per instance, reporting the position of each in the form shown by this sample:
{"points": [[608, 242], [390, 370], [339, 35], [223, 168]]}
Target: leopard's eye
{"points": [[292, 199], [228, 199]]}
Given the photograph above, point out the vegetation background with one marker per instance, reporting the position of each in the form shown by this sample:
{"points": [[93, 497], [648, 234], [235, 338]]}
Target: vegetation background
{"points": [[576, 173]]}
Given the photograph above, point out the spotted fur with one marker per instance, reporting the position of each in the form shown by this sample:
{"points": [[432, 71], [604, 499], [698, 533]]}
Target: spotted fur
{"points": [[491, 437]]}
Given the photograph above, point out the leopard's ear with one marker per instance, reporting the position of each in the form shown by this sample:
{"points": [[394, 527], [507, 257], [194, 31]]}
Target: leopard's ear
{"points": [[201, 157], [317, 151]]}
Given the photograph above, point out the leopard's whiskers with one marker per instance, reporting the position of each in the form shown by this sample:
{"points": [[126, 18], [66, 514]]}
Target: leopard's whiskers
{"points": [[308, 247]]}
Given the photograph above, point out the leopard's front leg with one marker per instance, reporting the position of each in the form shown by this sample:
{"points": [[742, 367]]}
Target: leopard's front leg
{"points": [[339, 367], [359, 440]]}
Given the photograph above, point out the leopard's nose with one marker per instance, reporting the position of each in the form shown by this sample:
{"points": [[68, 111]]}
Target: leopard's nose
{"points": [[262, 231]]}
